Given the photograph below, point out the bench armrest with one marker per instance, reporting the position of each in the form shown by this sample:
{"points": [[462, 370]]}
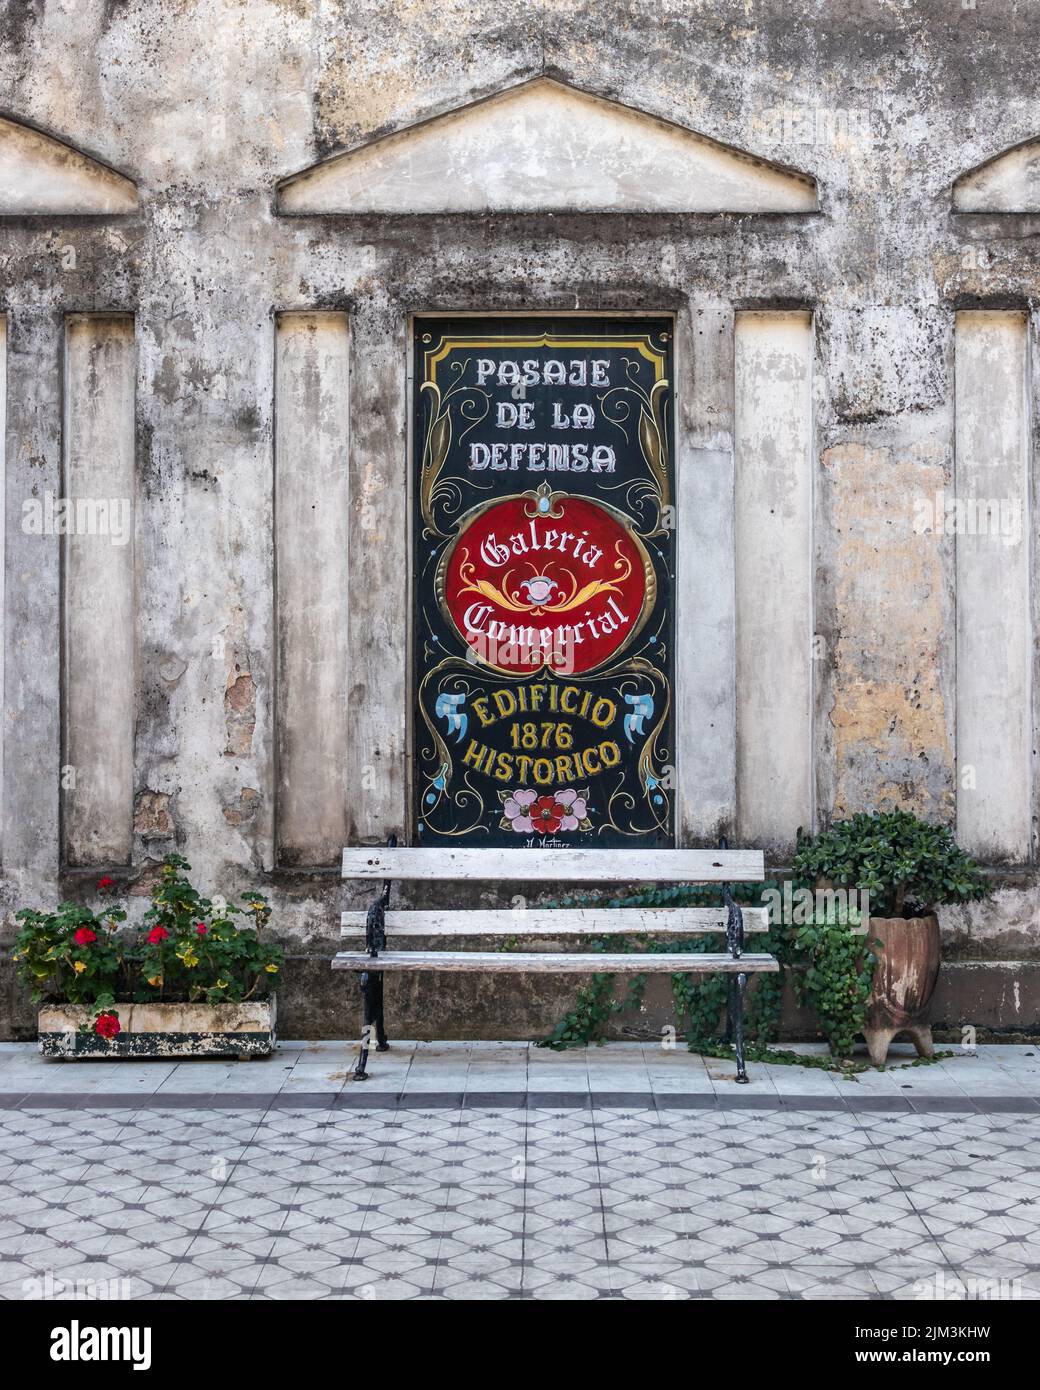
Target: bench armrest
{"points": [[734, 917], [375, 922]]}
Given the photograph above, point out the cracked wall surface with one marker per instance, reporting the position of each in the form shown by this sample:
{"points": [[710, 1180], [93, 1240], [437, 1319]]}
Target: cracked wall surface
{"points": [[206, 109]]}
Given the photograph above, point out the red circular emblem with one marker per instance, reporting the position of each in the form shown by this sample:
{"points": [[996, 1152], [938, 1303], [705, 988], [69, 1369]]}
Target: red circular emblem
{"points": [[546, 580]]}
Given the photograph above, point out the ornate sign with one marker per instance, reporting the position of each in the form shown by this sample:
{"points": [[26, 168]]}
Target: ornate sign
{"points": [[543, 583]]}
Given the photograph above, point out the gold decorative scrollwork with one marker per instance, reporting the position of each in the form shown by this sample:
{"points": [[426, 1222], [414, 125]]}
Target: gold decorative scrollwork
{"points": [[618, 406], [472, 405]]}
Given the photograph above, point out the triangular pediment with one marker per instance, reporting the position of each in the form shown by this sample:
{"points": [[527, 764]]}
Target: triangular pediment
{"points": [[1009, 182], [41, 176], [544, 146]]}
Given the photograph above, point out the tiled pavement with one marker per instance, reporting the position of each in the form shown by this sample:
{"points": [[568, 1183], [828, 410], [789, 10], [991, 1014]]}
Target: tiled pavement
{"points": [[502, 1171]]}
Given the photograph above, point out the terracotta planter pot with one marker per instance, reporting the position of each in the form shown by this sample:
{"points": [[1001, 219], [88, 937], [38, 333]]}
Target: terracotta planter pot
{"points": [[904, 979]]}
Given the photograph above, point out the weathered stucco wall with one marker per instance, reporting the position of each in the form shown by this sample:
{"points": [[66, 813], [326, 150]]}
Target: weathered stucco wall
{"points": [[206, 108]]}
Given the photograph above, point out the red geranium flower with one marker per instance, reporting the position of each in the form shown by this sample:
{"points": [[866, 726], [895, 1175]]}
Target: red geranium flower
{"points": [[547, 815], [84, 936], [200, 927], [107, 1026], [156, 935], [104, 883]]}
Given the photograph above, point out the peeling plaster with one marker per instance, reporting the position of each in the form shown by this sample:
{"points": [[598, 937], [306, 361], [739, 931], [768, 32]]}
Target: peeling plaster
{"points": [[208, 108], [153, 819], [892, 741]]}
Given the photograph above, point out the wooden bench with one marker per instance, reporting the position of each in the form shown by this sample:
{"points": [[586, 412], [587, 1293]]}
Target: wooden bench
{"points": [[537, 867]]}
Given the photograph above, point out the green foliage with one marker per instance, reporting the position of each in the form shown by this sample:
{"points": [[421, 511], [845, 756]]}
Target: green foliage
{"points": [[700, 1000], [902, 862], [189, 948], [827, 958], [192, 948], [52, 963], [838, 967], [595, 1004]]}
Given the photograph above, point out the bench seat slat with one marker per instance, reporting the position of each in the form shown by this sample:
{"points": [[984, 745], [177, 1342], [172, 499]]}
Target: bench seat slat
{"points": [[583, 963], [556, 922], [557, 865]]}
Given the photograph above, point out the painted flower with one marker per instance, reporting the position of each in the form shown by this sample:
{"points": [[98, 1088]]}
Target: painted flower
{"points": [[547, 815], [574, 808], [84, 936], [563, 811], [156, 935], [517, 811], [526, 812], [107, 1026]]}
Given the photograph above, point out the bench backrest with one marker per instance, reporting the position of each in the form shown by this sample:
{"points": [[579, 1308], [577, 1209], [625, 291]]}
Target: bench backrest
{"points": [[557, 921], [563, 865]]}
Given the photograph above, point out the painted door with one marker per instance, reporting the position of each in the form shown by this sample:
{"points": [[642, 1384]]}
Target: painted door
{"points": [[543, 615]]}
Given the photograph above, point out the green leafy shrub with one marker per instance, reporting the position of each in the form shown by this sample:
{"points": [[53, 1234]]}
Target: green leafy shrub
{"points": [[73, 954], [189, 948], [700, 1000], [837, 971], [192, 948], [906, 865]]}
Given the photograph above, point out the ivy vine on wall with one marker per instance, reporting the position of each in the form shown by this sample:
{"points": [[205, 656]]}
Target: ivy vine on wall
{"points": [[830, 968]]}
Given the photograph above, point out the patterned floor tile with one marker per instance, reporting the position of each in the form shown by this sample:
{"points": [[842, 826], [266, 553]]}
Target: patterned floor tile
{"points": [[620, 1199]]}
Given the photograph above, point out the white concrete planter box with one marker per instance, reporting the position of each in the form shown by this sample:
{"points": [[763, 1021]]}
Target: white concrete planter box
{"points": [[161, 1030]]}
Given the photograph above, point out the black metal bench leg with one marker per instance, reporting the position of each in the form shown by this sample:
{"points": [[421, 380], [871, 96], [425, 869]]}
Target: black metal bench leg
{"points": [[372, 980], [377, 1001], [367, 983], [738, 984]]}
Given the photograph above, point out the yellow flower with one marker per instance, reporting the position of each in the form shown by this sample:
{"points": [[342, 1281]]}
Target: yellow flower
{"points": [[155, 980], [271, 969], [222, 984], [190, 959], [79, 967]]}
